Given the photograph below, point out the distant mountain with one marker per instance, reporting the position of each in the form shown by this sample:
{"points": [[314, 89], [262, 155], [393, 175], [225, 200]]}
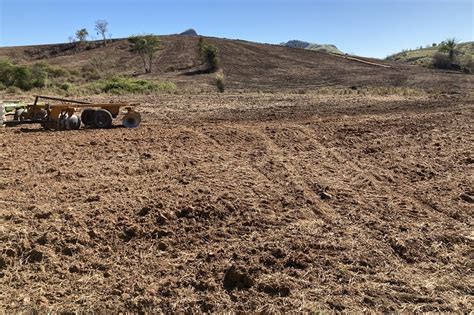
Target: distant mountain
{"points": [[189, 32], [312, 46], [296, 44]]}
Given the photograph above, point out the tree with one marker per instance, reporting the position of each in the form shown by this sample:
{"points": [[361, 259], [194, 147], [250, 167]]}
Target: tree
{"points": [[209, 54], [449, 46], [82, 34], [145, 46], [101, 26]]}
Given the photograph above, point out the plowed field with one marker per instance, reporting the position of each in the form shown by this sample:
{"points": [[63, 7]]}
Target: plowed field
{"points": [[244, 202]]}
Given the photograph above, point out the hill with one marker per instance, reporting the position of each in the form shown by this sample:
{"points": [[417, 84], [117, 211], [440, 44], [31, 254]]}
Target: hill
{"points": [[247, 66], [312, 46], [189, 32], [423, 56]]}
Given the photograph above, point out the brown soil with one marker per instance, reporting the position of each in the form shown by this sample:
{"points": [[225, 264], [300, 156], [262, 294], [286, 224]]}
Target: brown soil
{"points": [[244, 202]]}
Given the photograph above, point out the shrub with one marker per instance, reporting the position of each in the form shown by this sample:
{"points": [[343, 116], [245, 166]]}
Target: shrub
{"points": [[90, 74], [441, 61], [22, 77], [27, 77], [209, 55], [450, 47], [467, 64], [74, 72], [56, 72], [121, 85], [65, 86], [220, 82], [12, 90]]}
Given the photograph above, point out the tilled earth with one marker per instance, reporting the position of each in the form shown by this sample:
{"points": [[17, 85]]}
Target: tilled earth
{"points": [[244, 202]]}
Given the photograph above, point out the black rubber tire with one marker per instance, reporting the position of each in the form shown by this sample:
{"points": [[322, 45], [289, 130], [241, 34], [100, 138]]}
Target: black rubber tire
{"points": [[103, 119], [88, 117]]}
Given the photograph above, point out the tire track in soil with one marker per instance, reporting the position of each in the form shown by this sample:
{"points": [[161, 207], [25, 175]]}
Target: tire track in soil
{"points": [[319, 208], [357, 170], [391, 197]]}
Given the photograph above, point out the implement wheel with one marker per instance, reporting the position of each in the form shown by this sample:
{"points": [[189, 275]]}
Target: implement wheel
{"points": [[73, 122], [131, 120], [18, 114], [102, 119], [88, 117], [40, 114]]}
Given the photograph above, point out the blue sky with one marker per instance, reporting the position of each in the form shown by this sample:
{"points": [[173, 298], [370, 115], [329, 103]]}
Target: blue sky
{"points": [[363, 27]]}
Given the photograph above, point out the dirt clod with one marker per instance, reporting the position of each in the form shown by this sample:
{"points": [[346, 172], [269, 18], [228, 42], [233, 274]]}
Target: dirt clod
{"points": [[34, 256], [298, 261], [162, 246], [325, 195], [43, 215], [161, 219], [144, 211], [185, 212], [467, 198], [237, 278], [94, 198], [3, 263], [74, 269], [275, 289], [129, 232]]}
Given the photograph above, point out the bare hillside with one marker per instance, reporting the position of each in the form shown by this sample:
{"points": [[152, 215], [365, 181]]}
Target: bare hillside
{"points": [[247, 65]]}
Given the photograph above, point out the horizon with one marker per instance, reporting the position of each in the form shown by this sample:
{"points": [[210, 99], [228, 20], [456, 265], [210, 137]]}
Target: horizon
{"points": [[364, 28]]}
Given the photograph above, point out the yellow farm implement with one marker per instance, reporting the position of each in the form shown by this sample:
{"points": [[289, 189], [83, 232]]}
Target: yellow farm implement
{"points": [[64, 115]]}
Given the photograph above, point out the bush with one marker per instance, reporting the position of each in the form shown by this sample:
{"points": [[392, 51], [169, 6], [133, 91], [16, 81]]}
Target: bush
{"points": [[27, 77], [90, 72], [74, 72], [467, 64], [441, 61], [121, 85], [65, 86], [220, 82], [12, 90], [209, 55]]}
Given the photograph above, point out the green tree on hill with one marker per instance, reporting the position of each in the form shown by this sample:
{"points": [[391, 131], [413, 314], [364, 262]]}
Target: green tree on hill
{"points": [[145, 46], [209, 54], [449, 46], [82, 34]]}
